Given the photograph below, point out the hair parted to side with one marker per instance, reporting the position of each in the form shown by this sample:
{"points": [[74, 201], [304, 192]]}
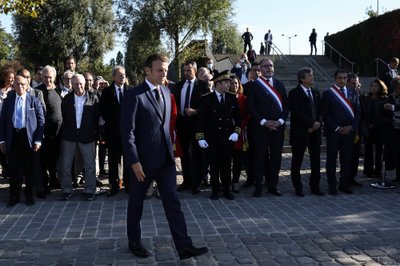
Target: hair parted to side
{"points": [[154, 57]]}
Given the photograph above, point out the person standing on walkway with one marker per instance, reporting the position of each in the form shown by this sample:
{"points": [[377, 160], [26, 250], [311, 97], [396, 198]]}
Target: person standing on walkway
{"points": [[268, 42], [21, 134], [390, 72], [268, 107], [247, 38], [341, 112], [305, 130], [80, 112], [313, 41], [145, 123]]}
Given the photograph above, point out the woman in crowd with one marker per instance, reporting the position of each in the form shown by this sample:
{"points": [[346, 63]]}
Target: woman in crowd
{"points": [[240, 146], [377, 126]]}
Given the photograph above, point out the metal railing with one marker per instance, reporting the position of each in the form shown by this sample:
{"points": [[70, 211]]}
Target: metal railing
{"points": [[277, 52], [331, 52], [377, 61], [317, 69]]}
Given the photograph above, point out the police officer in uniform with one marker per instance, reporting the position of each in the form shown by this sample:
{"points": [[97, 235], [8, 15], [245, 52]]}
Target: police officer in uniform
{"points": [[217, 129]]}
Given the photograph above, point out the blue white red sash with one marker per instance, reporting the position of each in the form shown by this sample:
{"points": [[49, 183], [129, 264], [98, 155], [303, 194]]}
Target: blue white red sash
{"points": [[342, 99], [270, 90]]}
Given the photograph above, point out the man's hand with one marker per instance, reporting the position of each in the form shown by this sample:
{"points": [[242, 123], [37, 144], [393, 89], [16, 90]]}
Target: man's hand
{"points": [[3, 148], [190, 111], [272, 124], [388, 106], [345, 130], [36, 147], [138, 171], [316, 125]]}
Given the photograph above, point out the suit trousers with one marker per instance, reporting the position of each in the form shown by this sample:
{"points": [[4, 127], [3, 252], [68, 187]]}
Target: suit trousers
{"points": [[115, 164], [267, 156], [165, 177], [342, 144], [220, 156], [50, 151], [67, 154], [21, 164], [297, 159]]}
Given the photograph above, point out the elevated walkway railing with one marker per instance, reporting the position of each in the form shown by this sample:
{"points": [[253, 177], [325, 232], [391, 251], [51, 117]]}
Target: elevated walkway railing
{"points": [[378, 62], [277, 52], [318, 69], [331, 52]]}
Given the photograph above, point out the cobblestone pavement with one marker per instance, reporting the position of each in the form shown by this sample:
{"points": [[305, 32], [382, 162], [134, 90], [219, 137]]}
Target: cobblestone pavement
{"points": [[359, 229]]}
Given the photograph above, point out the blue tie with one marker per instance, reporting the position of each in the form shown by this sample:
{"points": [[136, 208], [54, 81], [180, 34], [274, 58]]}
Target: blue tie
{"points": [[18, 113], [342, 90]]}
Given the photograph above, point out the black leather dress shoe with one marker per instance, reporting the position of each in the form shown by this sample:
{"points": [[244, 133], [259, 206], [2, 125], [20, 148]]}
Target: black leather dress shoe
{"points": [[356, 184], [12, 201], [275, 192], [317, 192], [183, 187], [345, 190], [229, 195], [191, 251], [138, 250], [257, 193], [299, 193], [195, 191], [112, 192]]}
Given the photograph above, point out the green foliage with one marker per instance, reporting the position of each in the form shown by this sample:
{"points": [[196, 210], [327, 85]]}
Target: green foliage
{"points": [[120, 59], [226, 39], [8, 46], [84, 29], [21, 7], [179, 21], [375, 37]]}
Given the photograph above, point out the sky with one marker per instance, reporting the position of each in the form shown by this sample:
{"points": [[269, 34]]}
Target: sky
{"points": [[288, 17]]}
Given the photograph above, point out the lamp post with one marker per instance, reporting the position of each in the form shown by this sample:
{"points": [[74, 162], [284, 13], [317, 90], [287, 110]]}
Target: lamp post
{"points": [[290, 42]]}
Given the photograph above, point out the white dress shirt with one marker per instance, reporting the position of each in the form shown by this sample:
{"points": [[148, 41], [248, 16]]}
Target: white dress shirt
{"points": [[183, 94], [79, 104]]}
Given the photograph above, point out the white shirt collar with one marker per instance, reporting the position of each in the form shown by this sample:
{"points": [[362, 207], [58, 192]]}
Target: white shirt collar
{"points": [[151, 85]]}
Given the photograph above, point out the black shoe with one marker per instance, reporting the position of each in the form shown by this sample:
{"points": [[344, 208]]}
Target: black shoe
{"points": [[29, 201], [112, 192], [191, 251], [12, 201], [275, 192], [41, 194], [317, 192], [55, 185], [332, 191], [138, 250], [65, 196], [356, 184], [182, 187], [299, 193], [195, 191], [99, 183], [248, 184], [214, 196], [89, 196], [346, 190], [257, 193], [228, 195]]}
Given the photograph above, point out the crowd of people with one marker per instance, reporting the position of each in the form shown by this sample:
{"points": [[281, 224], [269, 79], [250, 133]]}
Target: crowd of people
{"points": [[53, 127]]}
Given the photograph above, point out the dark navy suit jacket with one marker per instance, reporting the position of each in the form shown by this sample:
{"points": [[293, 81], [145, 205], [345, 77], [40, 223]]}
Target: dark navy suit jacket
{"points": [[145, 129], [34, 119], [335, 115]]}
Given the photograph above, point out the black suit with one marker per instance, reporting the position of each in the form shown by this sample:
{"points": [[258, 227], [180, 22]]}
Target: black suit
{"points": [[186, 129], [215, 124], [336, 115], [111, 113], [304, 113], [385, 76], [267, 143], [146, 139]]}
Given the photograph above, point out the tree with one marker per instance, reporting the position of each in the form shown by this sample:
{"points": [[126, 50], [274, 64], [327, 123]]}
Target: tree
{"points": [[120, 59], [112, 62], [8, 47], [84, 29], [226, 39], [21, 7], [179, 21]]}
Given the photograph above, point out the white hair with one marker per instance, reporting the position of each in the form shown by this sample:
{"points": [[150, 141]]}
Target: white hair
{"points": [[50, 69]]}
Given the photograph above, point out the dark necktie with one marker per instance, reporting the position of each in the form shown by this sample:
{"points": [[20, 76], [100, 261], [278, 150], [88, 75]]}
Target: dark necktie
{"points": [[187, 96], [120, 95], [342, 90], [159, 99], [222, 101], [310, 95]]}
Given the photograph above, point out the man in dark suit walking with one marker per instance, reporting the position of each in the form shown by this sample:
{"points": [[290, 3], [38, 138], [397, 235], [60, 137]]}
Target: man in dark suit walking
{"points": [[341, 112], [145, 121], [21, 133], [187, 95], [110, 106], [267, 102], [305, 130]]}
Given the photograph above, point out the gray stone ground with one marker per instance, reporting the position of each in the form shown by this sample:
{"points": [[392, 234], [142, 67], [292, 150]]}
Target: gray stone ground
{"points": [[359, 229]]}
